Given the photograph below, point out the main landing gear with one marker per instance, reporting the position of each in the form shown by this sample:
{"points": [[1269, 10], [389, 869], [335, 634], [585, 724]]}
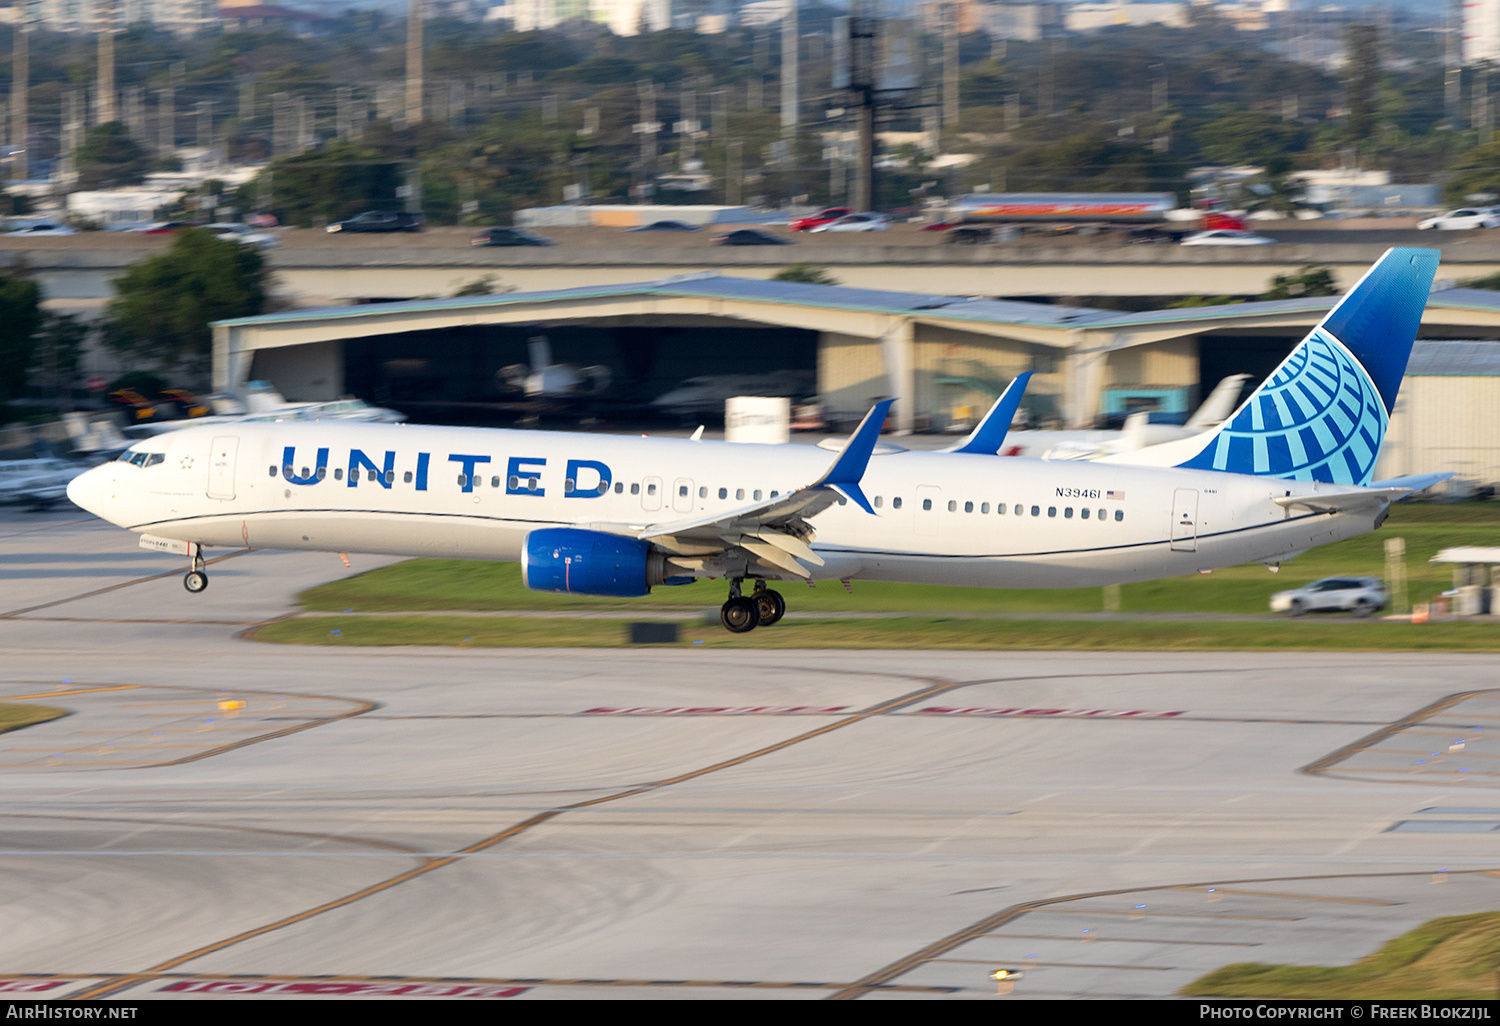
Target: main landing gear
{"points": [[196, 580], [761, 608]]}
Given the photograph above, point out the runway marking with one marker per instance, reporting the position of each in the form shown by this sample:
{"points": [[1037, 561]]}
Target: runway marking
{"points": [[988, 926], [1298, 897], [119, 619], [932, 690], [16, 613], [1026, 963], [1123, 940], [1370, 743], [75, 691], [345, 985], [216, 721], [1078, 713], [744, 710], [1134, 913]]}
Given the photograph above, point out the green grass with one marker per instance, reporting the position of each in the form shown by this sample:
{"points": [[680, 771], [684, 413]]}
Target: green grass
{"points": [[1453, 958], [912, 632], [14, 716], [428, 584]]}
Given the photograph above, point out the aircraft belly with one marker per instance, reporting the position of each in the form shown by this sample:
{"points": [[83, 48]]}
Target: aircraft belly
{"points": [[335, 531]]}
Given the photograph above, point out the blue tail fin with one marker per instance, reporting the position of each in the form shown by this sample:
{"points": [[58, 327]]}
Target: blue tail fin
{"points": [[1322, 414]]}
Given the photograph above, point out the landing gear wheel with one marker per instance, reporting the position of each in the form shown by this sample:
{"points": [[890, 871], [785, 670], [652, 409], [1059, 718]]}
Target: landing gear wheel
{"points": [[195, 581], [740, 614], [772, 607]]}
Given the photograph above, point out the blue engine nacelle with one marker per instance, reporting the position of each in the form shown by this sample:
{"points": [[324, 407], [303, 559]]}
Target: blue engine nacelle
{"points": [[580, 562]]}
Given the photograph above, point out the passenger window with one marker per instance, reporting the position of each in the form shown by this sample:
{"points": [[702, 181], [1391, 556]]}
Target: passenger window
{"points": [[390, 477], [286, 469], [635, 489], [843, 501], [878, 501], [515, 482], [463, 479], [774, 494], [896, 503], [1103, 514], [682, 489], [968, 507], [494, 481], [1068, 513], [702, 491], [952, 506], [569, 485], [1084, 513], [757, 495], [619, 487], [1119, 514], [926, 503], [984, 507], [1052, 511], [1000, 508], [723, 493], [531, 485], [353, 473], [651, 489], [739, 493], [273, 470], [338, 473], [1036, 511], [406, 478], [603, 487]]}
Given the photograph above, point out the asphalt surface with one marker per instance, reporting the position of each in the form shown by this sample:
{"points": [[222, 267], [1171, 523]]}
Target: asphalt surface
{"points": [[223, 817]]}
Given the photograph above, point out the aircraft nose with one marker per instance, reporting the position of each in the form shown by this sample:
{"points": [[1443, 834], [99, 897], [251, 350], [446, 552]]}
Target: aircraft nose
{"points": [[93, 489]]}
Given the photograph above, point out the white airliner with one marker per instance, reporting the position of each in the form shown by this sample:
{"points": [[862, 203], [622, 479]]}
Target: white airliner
{"points": [[617, 516]]}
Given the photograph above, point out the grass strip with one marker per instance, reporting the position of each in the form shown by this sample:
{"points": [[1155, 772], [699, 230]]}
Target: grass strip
{"points": [[14, 716], [915, 632], [1456, 957], [430, 585]]}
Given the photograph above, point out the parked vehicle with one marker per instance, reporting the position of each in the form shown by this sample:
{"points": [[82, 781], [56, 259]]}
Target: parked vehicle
{"points": [[1358, 595], [1465, 218], [509, 237], [856, 223], [666, 226], [1226, 237], [750, 237], [244, 233], [379, 221], [45, 229], [163, 227], [803, 224]]}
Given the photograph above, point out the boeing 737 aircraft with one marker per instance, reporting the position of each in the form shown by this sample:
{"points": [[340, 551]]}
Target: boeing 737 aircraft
{"points": [[617, 516]]}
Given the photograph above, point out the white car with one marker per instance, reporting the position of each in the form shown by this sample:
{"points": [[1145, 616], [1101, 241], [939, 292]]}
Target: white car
{"points": [[1467, 217], [1226, 237], [1358, 595], [856, 223], [46, 228], [244, 233]]}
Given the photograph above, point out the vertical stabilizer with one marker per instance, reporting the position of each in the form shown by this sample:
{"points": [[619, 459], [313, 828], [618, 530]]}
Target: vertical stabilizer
{"points": [[1322, 414]]}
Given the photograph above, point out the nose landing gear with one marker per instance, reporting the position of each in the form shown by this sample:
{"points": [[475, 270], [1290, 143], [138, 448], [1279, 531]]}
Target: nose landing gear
{"points": [[742, 613], [195, 580]]}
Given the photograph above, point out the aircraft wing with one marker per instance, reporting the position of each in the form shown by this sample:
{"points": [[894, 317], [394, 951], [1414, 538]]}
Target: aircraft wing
{"points": [[776, 532], [987, 438]]}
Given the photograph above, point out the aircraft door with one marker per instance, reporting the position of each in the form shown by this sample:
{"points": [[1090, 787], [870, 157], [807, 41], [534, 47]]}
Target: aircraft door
{"points": [[928, 511], [1185, 520], [221, 467], [651, 493], [682, 495]]}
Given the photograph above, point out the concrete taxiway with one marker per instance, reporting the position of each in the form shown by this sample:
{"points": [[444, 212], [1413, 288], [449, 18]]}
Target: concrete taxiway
{"points": [[224, 817]]}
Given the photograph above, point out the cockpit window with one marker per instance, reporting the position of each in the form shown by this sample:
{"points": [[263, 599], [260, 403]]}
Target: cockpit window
{"points": [[142, 459]]}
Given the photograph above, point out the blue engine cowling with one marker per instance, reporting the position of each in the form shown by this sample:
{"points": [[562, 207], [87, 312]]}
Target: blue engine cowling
{"points": [[580, 562]]}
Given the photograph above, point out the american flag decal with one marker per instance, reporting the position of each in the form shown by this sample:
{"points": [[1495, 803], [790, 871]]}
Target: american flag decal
{"points": [[1114, 495]]}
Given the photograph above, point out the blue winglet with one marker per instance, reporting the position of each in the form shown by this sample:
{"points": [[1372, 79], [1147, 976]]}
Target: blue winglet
{"points": [[989, 436], [850, 465]]}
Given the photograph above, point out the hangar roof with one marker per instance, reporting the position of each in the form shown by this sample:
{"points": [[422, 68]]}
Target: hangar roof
{"points": [[716, 286]]}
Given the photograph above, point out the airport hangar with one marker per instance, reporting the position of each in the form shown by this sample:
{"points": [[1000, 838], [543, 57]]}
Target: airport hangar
{"points": [[938, 354]]}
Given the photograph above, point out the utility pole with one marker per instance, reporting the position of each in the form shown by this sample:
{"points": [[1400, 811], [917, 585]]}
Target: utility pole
{"points": [[414, 64], [1453, 80], [104, 107], [861, 86], [20, 88]]}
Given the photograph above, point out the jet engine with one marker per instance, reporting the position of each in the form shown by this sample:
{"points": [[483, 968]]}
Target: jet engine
{"points": [[580, 562]]}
